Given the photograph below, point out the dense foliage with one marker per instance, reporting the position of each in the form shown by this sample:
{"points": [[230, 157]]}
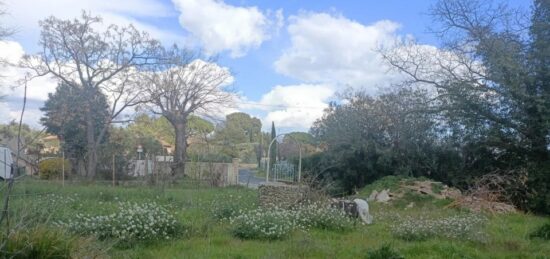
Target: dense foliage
{"points": [[53, 168], [63, 117], [477, 105]]}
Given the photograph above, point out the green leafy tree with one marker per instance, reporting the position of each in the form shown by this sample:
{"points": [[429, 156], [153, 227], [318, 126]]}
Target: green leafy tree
{"points": [[369, 137], [240, 128], [63, 117], [490, 79]]}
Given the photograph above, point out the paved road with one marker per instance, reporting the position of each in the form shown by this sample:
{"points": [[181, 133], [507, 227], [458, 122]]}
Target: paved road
{"points": [[247, 177]]}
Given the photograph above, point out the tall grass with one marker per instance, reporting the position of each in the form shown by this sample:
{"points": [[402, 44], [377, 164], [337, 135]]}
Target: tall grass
{"points": [[208, 233]]}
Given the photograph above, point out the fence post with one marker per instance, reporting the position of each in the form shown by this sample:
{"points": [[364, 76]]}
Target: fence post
{"points": [[63, 169], [235, 171], [114, 172]]}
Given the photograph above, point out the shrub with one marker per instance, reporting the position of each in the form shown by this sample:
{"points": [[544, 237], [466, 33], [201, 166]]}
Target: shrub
{"points": [[384, 252], [42, 242], [227, 208], [542, 232], [464, 227], [132, 222], [276, 223], [261, 224], [52, 168], [321, 216], [223, 211]]}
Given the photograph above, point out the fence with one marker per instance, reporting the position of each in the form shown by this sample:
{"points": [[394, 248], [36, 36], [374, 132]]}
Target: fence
{"points": [[159, 172], [216, 174], [282, 171]]}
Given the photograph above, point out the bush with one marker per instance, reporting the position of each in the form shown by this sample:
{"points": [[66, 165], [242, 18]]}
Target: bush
{"points": [[225, 208], [132, 222], [464, 227], [42, 242], [276, 223], [542, 232], [261, 224], [52, 168], [320, 216], [384, 252]]}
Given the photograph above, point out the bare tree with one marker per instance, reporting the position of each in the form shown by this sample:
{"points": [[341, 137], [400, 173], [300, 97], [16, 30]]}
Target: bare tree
{"points": [[480, 71], [5, 32], [183, 85], [75, 53]]}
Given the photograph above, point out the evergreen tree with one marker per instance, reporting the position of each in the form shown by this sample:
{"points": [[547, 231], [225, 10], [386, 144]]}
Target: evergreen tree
{"points": [[63, 116], [273, 151], [539, 109]]}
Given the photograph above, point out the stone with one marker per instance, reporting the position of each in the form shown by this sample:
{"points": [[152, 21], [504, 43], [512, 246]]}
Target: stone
{"points": [[281, 195], [373, 195], [383, 196], [451, 193]]}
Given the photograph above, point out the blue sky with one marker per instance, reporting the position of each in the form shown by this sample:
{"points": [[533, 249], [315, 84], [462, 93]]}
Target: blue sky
{"points": [[289, 58]]}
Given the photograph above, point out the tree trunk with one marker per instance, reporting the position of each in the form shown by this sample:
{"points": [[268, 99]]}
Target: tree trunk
{"points": [[90, 144], [178, 167]]}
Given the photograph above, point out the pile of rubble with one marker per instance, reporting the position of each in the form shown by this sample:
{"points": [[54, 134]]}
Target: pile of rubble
{"points": [[477, 204], [439, 191], [419, 187]]}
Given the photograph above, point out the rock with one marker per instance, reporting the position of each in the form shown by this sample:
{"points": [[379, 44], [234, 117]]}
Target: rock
{"points": [[281, 195], [451, 193], [410, 205], [383, 196], [373, 195]]}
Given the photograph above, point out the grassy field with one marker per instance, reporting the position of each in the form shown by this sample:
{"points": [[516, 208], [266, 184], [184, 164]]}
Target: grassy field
{"points": [[205, 236]]}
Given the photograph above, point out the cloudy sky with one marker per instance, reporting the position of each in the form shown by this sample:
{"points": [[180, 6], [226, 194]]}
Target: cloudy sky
{"points": [[289, 57]]}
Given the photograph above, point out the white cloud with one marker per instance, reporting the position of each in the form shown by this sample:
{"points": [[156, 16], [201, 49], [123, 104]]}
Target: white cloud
{"points": [[335, 50], [13, 91], [25, 14], [294, 106], [219, 26], [38, 88]]}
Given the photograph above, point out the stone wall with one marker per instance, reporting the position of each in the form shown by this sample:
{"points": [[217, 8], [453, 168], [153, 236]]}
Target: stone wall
{"points": [[281, 195]]}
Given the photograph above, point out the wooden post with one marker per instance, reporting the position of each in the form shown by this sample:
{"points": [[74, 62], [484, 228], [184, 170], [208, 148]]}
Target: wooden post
{"points": [[114, 170], [63, 170]]}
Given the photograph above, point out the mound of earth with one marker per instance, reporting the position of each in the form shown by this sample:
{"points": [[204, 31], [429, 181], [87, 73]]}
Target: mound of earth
{"points": [[439, 191]]}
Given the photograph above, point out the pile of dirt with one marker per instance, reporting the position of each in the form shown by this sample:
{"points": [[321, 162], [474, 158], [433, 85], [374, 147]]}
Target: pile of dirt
{"points": [[440, 191], [436, 190], [477, 204]]}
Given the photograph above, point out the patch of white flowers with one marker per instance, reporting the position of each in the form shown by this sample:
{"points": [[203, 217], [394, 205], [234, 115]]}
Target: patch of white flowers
{"points": [[131, 222], [230, 207], [464, 227], [322, 216], [276, 223]]}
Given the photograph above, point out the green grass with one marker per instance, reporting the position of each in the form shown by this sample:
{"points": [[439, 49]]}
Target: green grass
{"points": [[42, 203]]}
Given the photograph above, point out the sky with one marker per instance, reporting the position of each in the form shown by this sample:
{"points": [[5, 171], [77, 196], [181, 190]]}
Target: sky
{"points": [[288, 58]]}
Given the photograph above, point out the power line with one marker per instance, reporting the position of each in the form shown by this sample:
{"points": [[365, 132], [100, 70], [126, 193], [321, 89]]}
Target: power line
{"points": [[282, 106]]}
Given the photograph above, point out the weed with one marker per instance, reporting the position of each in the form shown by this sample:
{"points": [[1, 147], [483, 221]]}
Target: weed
{"points": [[542, 232], [384, 252]]}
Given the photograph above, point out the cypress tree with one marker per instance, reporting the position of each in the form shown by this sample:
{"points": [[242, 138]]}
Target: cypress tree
{"points": [[273, 151]]}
